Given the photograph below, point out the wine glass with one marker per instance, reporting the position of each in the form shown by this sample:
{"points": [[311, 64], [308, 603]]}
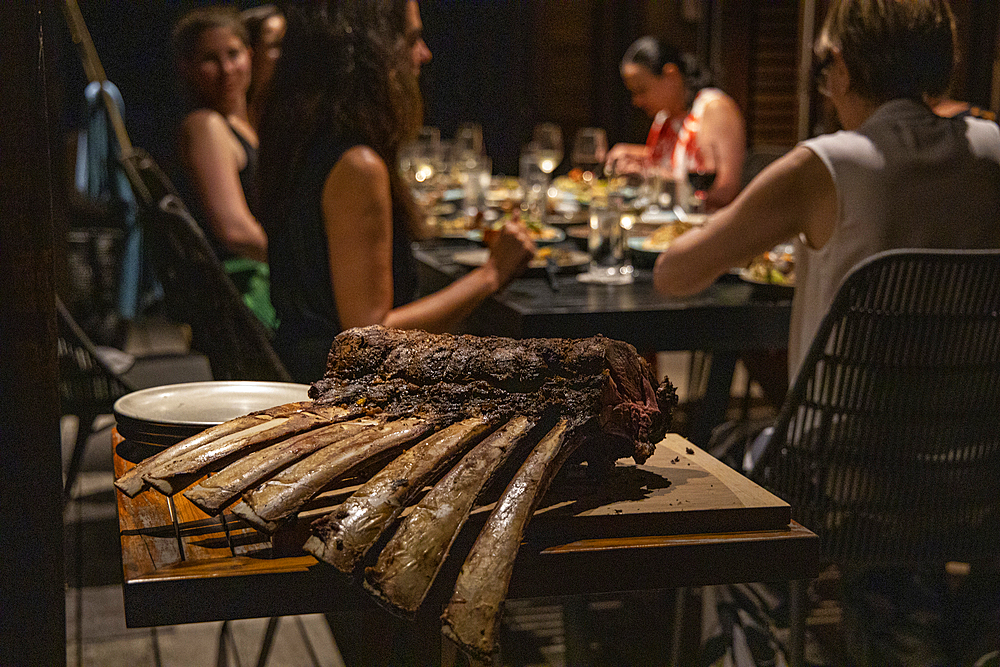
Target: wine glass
{"points": [[468, 141], [548, 146], [700, 165], [426, 155], [590, 147]]}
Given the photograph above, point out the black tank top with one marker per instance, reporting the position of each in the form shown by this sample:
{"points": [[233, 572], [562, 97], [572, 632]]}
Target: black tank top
{"points": [[248, 181], [301, 290]]}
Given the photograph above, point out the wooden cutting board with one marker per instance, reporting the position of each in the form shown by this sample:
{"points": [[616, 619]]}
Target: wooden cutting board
{"points": [[679, 490]]}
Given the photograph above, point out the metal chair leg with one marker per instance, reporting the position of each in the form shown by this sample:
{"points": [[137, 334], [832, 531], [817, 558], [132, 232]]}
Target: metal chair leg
{"points": [[679, 604], [83, 432], [265, 647], [798, 610]]}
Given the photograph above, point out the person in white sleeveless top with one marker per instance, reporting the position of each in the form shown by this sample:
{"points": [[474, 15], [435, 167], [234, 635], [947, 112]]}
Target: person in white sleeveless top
{"points": [[897, 176]]}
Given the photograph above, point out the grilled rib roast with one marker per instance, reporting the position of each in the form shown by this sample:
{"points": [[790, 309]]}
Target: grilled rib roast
{"points": [[435, 396]]}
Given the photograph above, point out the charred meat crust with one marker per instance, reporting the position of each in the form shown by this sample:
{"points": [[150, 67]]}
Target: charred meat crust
{"points": [[459, 375]]}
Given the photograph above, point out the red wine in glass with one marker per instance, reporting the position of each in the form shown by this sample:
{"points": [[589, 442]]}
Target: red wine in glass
{"points": [[701, 181]]}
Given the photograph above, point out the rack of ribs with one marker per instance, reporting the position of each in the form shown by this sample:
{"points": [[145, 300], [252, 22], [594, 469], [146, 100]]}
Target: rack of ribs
{"points": [[421, 411]]}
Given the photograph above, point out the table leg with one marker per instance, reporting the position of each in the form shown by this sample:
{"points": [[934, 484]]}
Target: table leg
{"points": [[797, 610], [716, 400]]}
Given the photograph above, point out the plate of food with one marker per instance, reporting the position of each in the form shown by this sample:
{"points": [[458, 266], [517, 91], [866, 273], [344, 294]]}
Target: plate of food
{"points": [[566, 260], [773, 273], [661, 239], [539, 232]]}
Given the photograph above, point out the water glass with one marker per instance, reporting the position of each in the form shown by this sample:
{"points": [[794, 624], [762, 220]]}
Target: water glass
{"points": [[534, 183], [607, 244], [476, 175]]}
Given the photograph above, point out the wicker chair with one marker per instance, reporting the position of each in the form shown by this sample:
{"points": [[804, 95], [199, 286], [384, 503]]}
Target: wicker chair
{"points": [[88, 386], [196, 288], [888, 444]]}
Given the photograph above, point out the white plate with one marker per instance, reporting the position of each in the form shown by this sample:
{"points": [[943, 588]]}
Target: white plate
{"points": [[206, 403]]}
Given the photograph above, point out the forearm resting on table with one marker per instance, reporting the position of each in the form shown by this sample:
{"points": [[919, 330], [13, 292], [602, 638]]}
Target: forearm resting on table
{"points": [[792, 196], [441, 311]]}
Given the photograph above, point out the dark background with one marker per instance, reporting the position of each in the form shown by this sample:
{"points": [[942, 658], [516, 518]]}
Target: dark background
{"points": [[506, 64], [510, 64]]}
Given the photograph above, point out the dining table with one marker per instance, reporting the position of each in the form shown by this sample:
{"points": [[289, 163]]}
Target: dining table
{"points": [[681, 518], [730, 318]]}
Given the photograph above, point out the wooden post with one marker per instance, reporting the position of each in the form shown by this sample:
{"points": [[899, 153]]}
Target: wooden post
{"points": [[32, 594]]}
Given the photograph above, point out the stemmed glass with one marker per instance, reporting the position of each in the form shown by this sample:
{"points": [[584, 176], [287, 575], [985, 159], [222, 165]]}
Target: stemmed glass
{"points": [[548, 146], [590, 147], [426, 155], [468, 141], [700, 165]]}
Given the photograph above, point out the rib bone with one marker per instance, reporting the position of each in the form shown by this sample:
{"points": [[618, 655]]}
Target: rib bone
{"points": [[342, 537], [282, 495], [171, 476], [216, 491], [408, 564], [472, 616], [131, 483]]}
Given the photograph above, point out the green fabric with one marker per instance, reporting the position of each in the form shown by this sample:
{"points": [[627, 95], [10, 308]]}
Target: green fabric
{"points": [[253, 280]]}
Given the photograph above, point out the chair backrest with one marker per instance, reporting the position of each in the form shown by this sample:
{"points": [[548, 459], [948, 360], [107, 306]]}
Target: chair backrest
{"points": [[87, 384], [888, 444], [196, 288]]}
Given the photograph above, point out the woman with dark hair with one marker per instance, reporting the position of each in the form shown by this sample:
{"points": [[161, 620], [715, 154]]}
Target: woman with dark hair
{"points": [[218, 147], [897, 176], [341, 220], [265, 27], [687, 117]]}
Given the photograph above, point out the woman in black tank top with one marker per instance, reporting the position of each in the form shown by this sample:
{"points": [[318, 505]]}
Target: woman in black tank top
{"points": [[218, 148]]}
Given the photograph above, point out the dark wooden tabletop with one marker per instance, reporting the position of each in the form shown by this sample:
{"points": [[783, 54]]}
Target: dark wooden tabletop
{"points": [[730, 316]]}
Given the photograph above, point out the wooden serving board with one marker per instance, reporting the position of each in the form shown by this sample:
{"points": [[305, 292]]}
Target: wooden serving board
{"points": [[679, 490]]}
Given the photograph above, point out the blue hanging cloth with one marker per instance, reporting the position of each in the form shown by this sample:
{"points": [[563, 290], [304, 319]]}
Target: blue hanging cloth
{"points": [[99, 177]]}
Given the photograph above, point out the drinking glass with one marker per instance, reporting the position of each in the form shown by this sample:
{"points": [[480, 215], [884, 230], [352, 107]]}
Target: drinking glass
{"points": [[548, 141], [590, 147], [477, 173], [628, 195], [607, 247], [534, 183], [468, 141], [426, 155], [700, 165]]}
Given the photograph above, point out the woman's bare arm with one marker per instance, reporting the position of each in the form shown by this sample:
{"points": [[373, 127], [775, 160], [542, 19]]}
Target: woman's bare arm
{"points": [[357, 210], [795, 194], [211, 156], [723, 128]]}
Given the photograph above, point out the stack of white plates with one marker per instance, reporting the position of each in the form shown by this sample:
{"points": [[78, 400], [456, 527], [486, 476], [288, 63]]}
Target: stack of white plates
{"points": [[166, 415]]}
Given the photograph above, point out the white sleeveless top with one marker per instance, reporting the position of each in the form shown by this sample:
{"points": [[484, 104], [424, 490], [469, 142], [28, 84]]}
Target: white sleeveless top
{"points": [[905, 179]]}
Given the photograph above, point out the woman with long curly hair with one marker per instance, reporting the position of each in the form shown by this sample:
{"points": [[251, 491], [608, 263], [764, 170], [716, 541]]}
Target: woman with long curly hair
{"points": [[340, 219]]}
